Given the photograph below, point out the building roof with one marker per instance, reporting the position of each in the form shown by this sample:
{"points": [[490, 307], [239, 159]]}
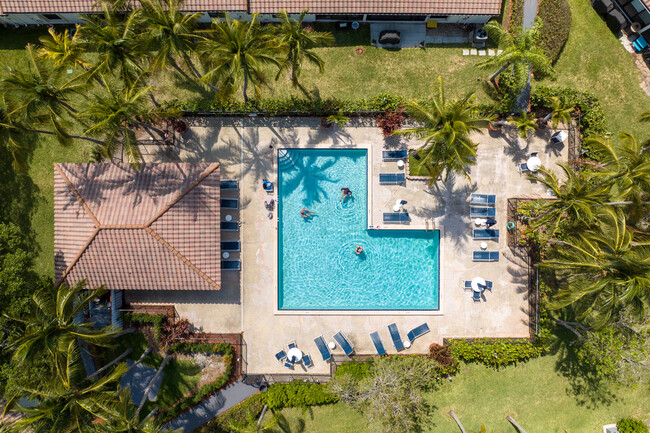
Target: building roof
{"points": [[154, 229], [419, 7]]}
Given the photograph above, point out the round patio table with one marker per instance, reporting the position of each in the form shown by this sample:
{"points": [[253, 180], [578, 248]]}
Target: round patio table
{"points": [[478, 284], [228, 217], [226, 255], [294, 355], [534, 163]]}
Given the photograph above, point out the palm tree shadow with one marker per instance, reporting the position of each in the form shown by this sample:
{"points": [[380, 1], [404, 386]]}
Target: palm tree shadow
{"points": [[514, 148], [307, 176]]}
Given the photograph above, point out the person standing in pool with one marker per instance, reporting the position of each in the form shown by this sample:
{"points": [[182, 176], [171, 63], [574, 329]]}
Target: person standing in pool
{"points": [[306, 213], [345, 193]]}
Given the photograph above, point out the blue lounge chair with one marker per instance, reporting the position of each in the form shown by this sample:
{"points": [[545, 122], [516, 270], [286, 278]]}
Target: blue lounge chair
{"points": [[523, 168], [485, 256], [288, 364], [394, 334], [231, 265], [418, 331], [344, 343], [391, 178], [281, 355], [232, 184], [306, 360], [230, 246], [392, 155], [379, 346], [396, 217], [230, 203], [230, 226], [483, 199], [482, 212], [488, 285], [486, 234], [322, 348], [476, 296]]}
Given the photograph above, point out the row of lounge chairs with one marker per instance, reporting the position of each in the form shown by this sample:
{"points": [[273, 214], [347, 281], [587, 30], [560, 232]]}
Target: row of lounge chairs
{"points": [[394, 155], [484, 206], [392, 178], [230, 226], [486, 234]]}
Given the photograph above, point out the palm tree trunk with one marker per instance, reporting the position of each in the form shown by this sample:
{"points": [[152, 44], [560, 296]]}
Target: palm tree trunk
{"points": [[496, 74], [188, 62], [153, 380], [113, 362], [514, 423], [453, 415], [80, 137], [245, 86], [547, 118]]}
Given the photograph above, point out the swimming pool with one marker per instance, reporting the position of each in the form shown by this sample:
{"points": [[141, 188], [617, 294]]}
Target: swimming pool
{"points": [[318, 266]]}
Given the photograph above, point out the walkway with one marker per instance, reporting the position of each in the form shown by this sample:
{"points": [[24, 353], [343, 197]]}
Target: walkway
{"points": [[530, 12], [212, 406]]}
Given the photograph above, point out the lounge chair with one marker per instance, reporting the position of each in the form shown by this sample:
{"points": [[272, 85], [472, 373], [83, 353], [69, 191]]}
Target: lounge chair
{"points": [[394, 334], [230, 203], [344, 343], [482, 212], [231, 265], [533, 154], [483, 199], [322, 348], [523, 168], [281, 355], [292, 344], [392, 155], [486, 234], [230, 246], [306, 360], [229, 184], [379, 346], [476, 296], [230, 226], [485, 256], [288, 364], [391, 178], [418, 331], [396, 217]]}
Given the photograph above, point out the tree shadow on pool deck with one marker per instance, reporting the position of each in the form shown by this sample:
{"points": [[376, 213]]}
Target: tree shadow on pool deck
{"points": [[311, 178]]}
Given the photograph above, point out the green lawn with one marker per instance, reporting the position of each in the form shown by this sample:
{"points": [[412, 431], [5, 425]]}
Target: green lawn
{"points": [[535, 394]]}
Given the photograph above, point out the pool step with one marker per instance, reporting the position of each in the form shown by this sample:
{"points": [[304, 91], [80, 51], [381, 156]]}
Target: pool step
{"points": [[285, 159]]}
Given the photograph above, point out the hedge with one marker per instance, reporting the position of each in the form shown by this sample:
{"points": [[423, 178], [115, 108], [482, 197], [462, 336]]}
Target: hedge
{"points": [[207, 389], [149, 319], [358, 370], [556, 19], [248, 409], [631, 425], [516, 15], [297, 394], [494, 352]]}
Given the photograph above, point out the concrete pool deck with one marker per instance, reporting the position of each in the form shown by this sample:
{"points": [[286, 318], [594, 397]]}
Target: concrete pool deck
{"points": [[246, 149]]}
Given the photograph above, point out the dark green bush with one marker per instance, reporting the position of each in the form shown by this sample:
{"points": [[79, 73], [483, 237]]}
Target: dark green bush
{"points": [[358, 370], [516, 15], [631, 425], [146, 319], [556, 19], [494, 352], [297, 394], [238, 415]]}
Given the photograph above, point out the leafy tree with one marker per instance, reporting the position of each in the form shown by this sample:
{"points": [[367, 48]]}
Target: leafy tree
{"points": [[12, 138], [298, 43], [124, 419], [338, 118], [560, 112], [63, 50], [236, 53], [524, 122], [445, 129]]}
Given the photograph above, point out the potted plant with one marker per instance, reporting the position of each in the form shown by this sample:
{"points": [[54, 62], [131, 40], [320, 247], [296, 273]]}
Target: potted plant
{"points": [[524, 122], [560, 112], [179, 125]]}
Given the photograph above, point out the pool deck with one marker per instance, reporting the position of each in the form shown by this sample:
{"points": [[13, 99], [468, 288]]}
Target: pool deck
{"points": [[246, 149]]}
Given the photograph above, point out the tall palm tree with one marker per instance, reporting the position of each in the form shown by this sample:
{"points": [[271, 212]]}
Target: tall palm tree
{"points": [[605, 271], [12, 137], [524, 122], [299, 44], [63, 50], [445, 129], [560, 112], [236, 52], [125, 420], [521, 52]]}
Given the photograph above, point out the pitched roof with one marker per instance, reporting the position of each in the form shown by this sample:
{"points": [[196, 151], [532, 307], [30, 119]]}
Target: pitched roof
{"points": [[86, 6], [154, 229], [423, 7]]}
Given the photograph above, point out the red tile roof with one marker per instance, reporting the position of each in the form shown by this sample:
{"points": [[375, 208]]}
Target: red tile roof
{"points": [[420, 7], [155, 229], [85, 6]]}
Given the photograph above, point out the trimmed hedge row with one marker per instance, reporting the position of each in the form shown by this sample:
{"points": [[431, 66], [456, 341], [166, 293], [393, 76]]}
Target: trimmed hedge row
{"points": [[631, 425], [516, 15], [241, 414], [146, 319], [556, 18], [297, 394], [494, 352]]}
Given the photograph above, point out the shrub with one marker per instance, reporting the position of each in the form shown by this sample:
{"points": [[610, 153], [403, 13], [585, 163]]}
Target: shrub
{"points": [[556, 19], [390, 122], [174, 330], [358, 370], [297, 394], [156, 320], [442, 354], [494, 352], [516, 15], [631, 425]]}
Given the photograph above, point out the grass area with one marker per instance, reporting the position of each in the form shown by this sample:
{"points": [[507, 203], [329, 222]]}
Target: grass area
{"points": [[539, 395]]}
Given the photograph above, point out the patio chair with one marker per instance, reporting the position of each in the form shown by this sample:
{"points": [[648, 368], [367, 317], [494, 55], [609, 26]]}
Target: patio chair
{"points": [[476, 296], [392, 155], [281, 355], [418, 331], [467, 285], [230, 203], [482, 212], [230, 246], [391, 178], [322, 348], [379, 346], [523, 168], [396, 217], [486, 234], [485, 256], [288, 364], [483, 199], [397, 339], [488, 285], [229, 184], [229, 226], [533, 154], [231, 265], [344, 343], [292, 344], [306, 360]]}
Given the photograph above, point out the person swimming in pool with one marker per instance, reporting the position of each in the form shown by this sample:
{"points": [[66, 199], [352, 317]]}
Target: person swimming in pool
{"points": [[306, 213], [345, 193], [358, 250]]}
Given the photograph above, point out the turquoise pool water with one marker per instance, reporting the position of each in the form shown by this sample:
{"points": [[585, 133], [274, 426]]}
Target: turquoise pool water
{"points": [[318, 267]]}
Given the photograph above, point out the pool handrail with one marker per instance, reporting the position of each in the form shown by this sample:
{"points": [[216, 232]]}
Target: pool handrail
{"points": [[394, 335], [418, 331], [322, 348], [344, 343], [379, 346]]}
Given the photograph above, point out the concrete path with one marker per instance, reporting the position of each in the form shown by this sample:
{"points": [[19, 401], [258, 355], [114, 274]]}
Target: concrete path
{"points": [[530, 12], [211, 407], [138, 378]]}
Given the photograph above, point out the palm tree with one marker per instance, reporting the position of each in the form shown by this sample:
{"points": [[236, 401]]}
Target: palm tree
{"points": [[445, 129], [124, 419], [605, 271], [299, 42], [524, 122], [521, 52], [63, 50], [236, 52], [560, 112], [645, 116], [12, 137]]}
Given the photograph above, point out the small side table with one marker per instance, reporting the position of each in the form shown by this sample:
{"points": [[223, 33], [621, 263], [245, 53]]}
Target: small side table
{"points": [[484, 245], [226, 255], [228, 217], [400, 164], [331, 345], [407, 343]]}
